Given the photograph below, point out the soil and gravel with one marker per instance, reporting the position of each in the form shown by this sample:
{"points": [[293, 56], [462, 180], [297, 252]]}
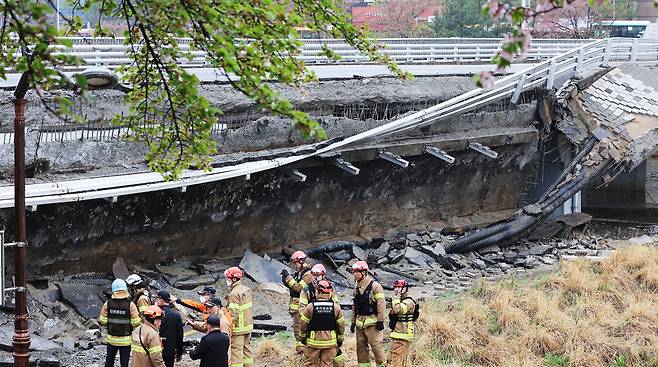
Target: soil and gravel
{"points": [[63, 307]]}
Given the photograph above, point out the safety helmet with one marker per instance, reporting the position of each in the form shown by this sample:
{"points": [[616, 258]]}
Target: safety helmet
{"points": [[400, 283], [360, 266], [153, 312], [119, 285], [324, 287], [233, 273], [133, 279], [318, 269], [298, 256]]}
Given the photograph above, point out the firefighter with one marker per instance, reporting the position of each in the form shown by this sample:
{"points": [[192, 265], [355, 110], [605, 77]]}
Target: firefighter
{"points": [[296, 284], [368, 310], [308, 294], [140, 294], [146, 345], [240, 305], [322, 328], [403, 314], [214, 307], [121, 316]]}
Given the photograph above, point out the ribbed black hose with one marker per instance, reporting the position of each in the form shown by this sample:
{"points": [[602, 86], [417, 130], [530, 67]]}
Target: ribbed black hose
{"points": [[496, 229], [329, 247], [574, 162], [524, 223]]}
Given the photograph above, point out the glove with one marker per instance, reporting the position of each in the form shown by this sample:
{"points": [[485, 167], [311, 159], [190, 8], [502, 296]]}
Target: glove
{"points": [[303, 341], [339, 343], [353, 328], [380, 325], [284, 275]]}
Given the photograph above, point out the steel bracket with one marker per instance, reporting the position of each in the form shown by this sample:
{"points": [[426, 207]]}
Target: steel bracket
{"points": [[393, 158], [483, 150], [438, 153]]}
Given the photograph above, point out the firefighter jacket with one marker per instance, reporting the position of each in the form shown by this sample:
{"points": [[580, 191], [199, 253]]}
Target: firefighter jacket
{"points": [[309, 294], [369, 304], [322, 324], [296, 284], [146, 347], [225, 322], [121, 316], [402, 314], [240, 305], [142, 299]]}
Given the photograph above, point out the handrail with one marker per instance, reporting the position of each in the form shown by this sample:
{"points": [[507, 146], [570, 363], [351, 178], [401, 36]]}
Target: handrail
{"points": [[586, 57], [113, 53]]}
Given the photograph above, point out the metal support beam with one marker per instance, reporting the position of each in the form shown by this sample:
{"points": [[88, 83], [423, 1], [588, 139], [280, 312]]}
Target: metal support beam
{"points": [[483, 150], [32, 208], [345, 166], [112, 199], [296, 175], [518, 90], [393, 158], [247, 177], [2, 268], [634, 50], [438, 153], [183, 189]]}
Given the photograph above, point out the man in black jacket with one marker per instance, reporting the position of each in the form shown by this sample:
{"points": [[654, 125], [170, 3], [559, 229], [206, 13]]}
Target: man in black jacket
{"points": [[213, 349], [171, 330]]}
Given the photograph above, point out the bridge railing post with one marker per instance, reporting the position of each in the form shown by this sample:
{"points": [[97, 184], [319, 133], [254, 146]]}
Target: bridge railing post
{"points": [[518, 89], [579, 64], [634, 47], [607, 53], [550, 81]]}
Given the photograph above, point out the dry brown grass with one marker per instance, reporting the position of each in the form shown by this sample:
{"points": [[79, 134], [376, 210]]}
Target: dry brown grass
{"points": [[587, 314]]}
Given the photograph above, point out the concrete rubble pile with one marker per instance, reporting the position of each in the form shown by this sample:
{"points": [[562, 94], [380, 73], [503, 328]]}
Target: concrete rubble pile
{"points": [[64, 309]]}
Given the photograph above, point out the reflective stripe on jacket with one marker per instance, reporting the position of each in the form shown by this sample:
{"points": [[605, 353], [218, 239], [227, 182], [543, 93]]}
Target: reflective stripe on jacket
{"points": [[297, 284], [240, 305], [324, 338], [403, 330], [106, 320], [376, 295], [146, 347]]}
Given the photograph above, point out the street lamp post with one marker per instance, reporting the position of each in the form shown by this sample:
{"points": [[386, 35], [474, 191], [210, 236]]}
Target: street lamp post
{"points": [[98, 78]]}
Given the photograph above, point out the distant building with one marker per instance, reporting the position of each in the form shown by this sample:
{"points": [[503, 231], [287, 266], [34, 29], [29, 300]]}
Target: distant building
{"points": [[646, 10], [371, 16]]}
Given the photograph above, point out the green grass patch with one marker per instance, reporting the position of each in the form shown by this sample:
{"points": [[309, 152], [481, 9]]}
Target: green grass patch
{"points": [[556, 360]]}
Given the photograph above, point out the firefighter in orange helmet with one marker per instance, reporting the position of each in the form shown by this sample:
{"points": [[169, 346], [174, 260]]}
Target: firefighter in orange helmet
{"points": [[240, 306], [296, 283], [368, 314]]}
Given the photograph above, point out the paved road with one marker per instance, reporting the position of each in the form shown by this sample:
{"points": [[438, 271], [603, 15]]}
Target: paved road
{"points": [[342, 71]]}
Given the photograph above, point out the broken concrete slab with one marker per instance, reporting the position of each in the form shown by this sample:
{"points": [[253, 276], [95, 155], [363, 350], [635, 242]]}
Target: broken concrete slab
{"points": [[273, 287], [379, 255], [574, 220], [261, 270], [360, 253], [119, 269], [417, 257], [394, 256], [545, 231], [37, 343], [85, 299], [436, 252], [489, 249], [191, 282], [643, 240], [540, 250], [386, 279]]}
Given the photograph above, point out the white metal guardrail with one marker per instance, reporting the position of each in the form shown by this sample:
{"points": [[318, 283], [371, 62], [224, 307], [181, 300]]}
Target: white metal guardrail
{"points": [[544, 74], [112, 53]]}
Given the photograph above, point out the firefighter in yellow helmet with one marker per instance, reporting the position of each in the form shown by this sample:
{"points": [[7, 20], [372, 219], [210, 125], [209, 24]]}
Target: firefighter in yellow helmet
{"points": [[322, 328], [296, 283], [368, 314], [403, 315], [240, 306], [146, 347]]}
